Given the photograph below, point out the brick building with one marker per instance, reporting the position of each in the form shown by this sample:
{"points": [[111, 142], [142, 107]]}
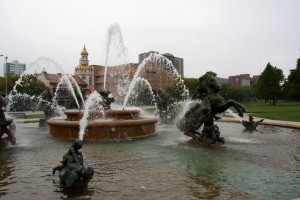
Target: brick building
{"points": [[176, 61], [242, 80], [119, 77], [52, 80]]}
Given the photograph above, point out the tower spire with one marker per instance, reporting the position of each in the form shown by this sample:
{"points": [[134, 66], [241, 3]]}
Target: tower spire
{"points": [[84, 51]]}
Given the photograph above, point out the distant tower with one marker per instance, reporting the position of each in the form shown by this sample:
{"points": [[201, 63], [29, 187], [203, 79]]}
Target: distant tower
{"points": [[84, 71], [83, 61]]}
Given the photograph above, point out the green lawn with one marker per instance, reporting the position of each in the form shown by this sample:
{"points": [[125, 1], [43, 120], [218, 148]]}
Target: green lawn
{"points": [[287, 111], [35, 116]]}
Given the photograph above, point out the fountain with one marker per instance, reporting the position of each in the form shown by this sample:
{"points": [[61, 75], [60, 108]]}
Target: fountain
{"points": [[102, 124], [263, 164], [252, 166]]}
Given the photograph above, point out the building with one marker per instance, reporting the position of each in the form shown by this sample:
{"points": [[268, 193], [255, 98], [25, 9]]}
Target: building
{"points": [[52, 80], [176, 61], [242, 80], [14, 67], [119, 77], [222, 81], [84, 71]]}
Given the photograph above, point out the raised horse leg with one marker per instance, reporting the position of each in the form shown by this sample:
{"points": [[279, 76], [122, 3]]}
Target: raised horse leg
{"points": [[230, 103]]}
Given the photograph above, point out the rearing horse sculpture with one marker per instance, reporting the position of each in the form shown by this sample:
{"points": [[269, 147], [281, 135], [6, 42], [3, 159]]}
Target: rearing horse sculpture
{"points": [[208, 86], [204, 112]]}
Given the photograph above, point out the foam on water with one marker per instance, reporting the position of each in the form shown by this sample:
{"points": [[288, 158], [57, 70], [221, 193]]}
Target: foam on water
{"points": [[242, 140]]}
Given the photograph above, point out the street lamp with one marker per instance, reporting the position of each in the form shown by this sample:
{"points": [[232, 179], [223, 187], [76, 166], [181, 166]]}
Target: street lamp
{"points": [[5, 74]]}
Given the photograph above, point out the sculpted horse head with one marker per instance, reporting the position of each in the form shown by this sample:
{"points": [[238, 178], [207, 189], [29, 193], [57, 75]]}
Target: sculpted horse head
{"points": [[209, 86], [209, 83]]}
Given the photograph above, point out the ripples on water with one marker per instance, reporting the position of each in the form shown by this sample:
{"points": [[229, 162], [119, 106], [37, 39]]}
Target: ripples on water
{"points": [[263, 164]]}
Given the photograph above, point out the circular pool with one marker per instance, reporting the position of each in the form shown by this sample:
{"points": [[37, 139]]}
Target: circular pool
{"points": [[254, 165]]}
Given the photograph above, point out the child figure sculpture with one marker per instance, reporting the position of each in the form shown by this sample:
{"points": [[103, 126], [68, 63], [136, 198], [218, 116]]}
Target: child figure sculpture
{"points": [[71, 168]]}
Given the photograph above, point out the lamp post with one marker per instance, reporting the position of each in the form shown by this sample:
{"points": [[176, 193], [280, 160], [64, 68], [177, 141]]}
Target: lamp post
{"points": [[5, 74]]}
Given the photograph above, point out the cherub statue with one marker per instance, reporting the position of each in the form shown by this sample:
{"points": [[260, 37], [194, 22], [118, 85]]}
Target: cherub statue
{"points": [[71, 168]]}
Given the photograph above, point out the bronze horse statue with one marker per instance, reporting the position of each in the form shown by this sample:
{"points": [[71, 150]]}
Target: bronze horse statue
{"points": [[208, 86], [197, 115], [204, 112]]}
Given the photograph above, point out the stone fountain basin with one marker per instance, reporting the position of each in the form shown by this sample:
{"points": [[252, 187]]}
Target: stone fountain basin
{"points": [[76, 115], [121, 124]]}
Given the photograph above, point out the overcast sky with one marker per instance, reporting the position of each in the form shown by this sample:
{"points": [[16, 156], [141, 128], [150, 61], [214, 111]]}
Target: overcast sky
{"points": [[229, 37]]}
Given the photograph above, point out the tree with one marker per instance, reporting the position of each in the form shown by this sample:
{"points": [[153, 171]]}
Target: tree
{"points": [[269, 84], [292, 85], [178, 91], [11, 78], [31, 85], [191, 84], [71, 103], [245, 93], [29, 89], [141, 95]]}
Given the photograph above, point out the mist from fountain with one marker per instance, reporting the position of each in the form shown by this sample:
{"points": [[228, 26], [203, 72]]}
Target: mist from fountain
{"points": [[59, 109], [65, 79], [231, 113], [160, 61], [123, 83], [135, 93], [77, 87], [114, 42], [37, 65], [93, 101]]}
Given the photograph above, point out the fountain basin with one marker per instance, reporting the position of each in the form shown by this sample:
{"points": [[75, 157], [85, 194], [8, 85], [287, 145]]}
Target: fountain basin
{"points": [[120, 124], [76, 115]]}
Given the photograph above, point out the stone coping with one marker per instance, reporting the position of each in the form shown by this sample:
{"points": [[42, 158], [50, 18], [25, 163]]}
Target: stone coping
{"points": [[286, 124], [280, 123]]}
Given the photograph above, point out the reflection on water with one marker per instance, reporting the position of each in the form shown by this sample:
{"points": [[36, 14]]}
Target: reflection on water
{"points": [[259, 165]]}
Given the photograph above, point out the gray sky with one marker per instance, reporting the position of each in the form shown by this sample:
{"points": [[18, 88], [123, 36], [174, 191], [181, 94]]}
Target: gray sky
{"points": [[228, 37]]}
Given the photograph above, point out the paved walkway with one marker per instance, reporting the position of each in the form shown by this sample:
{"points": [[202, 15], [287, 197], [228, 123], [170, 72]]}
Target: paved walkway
{"points": [[21, 121]]}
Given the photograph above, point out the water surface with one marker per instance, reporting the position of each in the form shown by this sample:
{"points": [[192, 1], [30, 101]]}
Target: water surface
{"points": [[259, 165]]}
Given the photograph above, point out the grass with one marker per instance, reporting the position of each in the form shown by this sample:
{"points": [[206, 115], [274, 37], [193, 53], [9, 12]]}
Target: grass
{"points": [[31, 116], [287, 111], [149, 110]]}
